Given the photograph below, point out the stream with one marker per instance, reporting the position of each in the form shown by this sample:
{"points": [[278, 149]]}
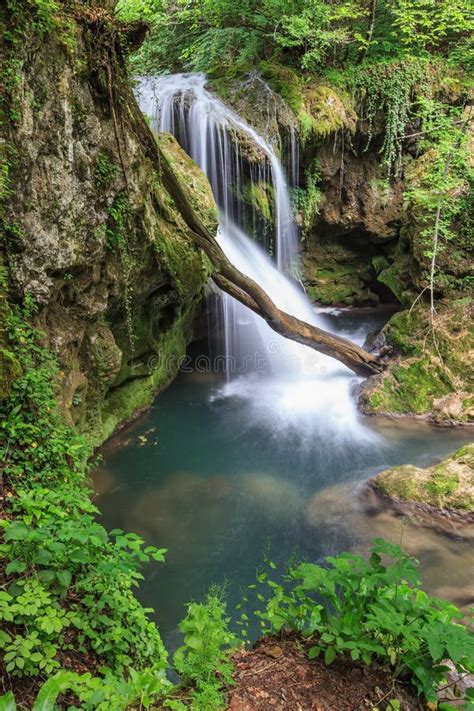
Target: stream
{"points": [[257, 448]]}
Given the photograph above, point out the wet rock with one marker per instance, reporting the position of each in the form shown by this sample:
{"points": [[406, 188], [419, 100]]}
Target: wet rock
{"points": [[441, 496], [375, 341], [417, 382], [450, 406]]}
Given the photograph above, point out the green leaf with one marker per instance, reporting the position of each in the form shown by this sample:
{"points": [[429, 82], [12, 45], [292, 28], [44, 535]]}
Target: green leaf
{"points": [[64, 578], [329, 655], [436, 647], [16, 566], [16, 532], [7, 702], [46, 576], [314, 652], [49, 692], [194, 642]]}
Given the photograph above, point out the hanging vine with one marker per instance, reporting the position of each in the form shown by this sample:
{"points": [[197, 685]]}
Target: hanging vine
{"points": [[390, 89]]}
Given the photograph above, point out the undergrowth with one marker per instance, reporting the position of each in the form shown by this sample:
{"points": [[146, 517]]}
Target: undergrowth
{"points": [[370, 609]]}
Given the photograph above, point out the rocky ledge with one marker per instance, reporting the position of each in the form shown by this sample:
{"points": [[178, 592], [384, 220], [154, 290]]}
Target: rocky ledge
{"points": [[440, 496]]}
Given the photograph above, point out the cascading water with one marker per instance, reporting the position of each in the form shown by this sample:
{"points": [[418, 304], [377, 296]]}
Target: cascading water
{"points": [[286, 384]]}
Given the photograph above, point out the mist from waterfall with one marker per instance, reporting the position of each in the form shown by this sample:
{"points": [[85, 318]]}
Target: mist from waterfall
{"points": [[292, 387]]}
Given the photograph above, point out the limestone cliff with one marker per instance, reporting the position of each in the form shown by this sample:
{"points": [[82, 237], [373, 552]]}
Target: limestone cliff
{"points": [[88, 230]]}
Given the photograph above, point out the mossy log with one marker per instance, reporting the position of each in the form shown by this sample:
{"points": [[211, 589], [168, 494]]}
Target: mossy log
{"points": [[242, 287]]}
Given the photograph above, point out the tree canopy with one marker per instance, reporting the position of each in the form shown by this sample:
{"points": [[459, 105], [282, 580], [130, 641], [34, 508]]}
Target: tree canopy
{"points": [[207, 35]]}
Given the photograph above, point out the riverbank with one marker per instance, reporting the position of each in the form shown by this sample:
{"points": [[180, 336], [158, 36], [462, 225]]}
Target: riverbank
{"points": [[441, 496]]}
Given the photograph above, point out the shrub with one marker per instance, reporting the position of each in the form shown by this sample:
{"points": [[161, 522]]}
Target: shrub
{"points": [[369, 609]]}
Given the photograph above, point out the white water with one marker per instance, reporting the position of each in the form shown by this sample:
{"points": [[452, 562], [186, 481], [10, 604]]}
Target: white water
{"points": [[288, 385]]}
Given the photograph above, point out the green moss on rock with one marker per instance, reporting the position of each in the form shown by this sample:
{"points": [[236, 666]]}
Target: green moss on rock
{"points": [[261, 197], [410, 387], [334, 274], [433, 375], [285, 82], [447, 485], [193, 180], [159, 370], [10, 370], [325, 110]]}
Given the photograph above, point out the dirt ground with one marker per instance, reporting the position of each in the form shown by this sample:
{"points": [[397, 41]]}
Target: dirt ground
{"points": [[277, 676]]}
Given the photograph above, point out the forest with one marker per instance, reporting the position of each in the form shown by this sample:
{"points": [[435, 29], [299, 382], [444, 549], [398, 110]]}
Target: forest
{"points": [[236, 338]]}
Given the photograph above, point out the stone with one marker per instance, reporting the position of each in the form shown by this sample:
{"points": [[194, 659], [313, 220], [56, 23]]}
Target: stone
{"points": [[109, 260]]}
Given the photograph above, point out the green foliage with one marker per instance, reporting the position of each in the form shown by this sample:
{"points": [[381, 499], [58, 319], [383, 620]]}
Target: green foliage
{"points": [[388, 89], [438, 193], [306, 200], [105, 170], [369, 609], [203, 660], [426, 24], [5, 186], [37, 446], [69, 583], [222, 36], [96, 693], [41, 16], [116, 234]]}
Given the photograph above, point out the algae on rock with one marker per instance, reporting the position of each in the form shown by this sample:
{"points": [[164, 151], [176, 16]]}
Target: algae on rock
{"points": [[446, 485]]}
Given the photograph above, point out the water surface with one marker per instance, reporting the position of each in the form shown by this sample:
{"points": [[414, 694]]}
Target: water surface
{"points": [[222, 478]]}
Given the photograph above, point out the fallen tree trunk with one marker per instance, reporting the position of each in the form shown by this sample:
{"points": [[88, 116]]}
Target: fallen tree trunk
{"points": [[242, 287], [249, 293]]}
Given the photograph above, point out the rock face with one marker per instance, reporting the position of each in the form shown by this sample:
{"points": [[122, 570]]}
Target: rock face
{"points": [[90, 232], [350, 247], [431, 375], [442, 494]]}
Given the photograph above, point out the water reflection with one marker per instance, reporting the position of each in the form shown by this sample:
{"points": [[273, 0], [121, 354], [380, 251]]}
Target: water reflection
{"points": [[447, 561]]}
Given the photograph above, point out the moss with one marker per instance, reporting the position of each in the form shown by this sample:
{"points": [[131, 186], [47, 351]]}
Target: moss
{"points": [[105, 170], [449, 484], [410, 387], [261, 197], [325, 111], [285, 82], [435, 377], [335, 275], [132, 396], [399, 332], [186, 266], [10, 370], [335, 286], [380, 263], [192, 179], [389, 277]]}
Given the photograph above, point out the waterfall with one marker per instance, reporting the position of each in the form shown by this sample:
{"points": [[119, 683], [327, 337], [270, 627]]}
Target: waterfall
{"points": [[289, 384]]}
